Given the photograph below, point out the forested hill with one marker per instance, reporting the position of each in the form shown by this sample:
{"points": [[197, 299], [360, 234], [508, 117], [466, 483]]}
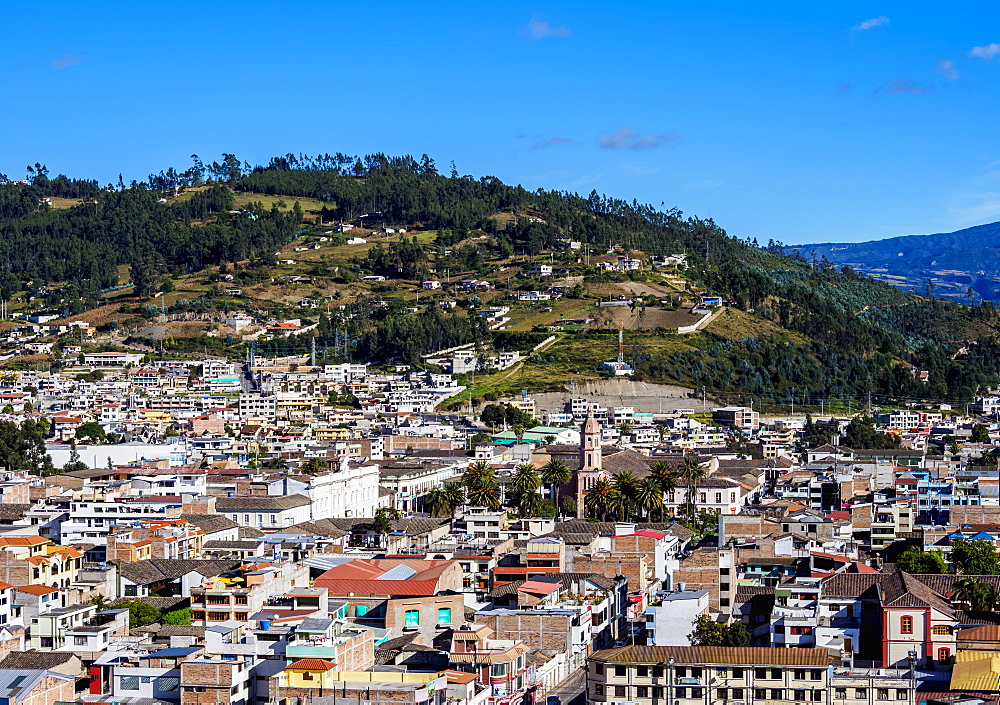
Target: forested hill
{"points": [[846, 334]]}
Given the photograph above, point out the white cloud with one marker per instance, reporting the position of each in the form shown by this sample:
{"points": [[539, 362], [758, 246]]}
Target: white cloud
{"points": [[537, 29], [978, 201], [872, 23], [628, 137], [976, 208], [947, 68], [898, 85], [985, 52], [552, 142], [68, 60], [703, 184]]}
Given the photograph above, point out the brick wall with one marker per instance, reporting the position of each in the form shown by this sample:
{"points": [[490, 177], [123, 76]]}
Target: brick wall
{"points": [[538, 630], [357, 653], [634, 568], [16, 493], [215, 678], [50, 690], [14, 571], [970, 514], [395, 610]]}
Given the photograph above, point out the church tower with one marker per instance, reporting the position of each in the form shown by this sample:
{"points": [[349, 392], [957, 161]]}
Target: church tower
{"points": [[590, 460]]}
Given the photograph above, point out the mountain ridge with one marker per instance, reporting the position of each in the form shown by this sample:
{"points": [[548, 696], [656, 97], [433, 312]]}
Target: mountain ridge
{"points": [[963, 265]]}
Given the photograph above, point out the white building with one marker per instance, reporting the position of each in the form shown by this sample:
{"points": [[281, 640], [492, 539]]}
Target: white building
{"points": [[669, 622]]}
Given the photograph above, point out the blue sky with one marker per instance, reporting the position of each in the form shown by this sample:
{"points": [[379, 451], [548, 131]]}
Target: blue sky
{"points": [[802, 122]]}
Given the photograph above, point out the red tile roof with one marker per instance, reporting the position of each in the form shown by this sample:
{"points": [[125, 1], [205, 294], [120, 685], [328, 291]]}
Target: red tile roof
{"points": [[311, 664]]}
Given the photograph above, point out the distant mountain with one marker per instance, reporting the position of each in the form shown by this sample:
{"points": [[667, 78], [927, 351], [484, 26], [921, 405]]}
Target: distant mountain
{"points": [[954, 262]]}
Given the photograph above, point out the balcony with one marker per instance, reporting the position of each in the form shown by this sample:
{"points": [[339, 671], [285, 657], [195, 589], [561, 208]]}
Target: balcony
{"points": [[871, 677]]}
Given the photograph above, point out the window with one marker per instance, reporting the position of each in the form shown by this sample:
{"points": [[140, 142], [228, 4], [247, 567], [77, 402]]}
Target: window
{"points": [[620, 671], [166, 684], [882, 694], [737, 693], [944, 655], [722, 673], [598, 689], [681, 672], [657, 693], [701, 498], [906, 624], [642, 691], [815, 674], [718, 498], [131, 591], [599, 669], [759, 694], [79, 641], [941, 630], [498, 670], [799, 674], [657, 671], [901, 694], [722, 694], [776, 676], [777, 694], [360, 610], [760, 673], [697, 693], [444, 615], [412, 618], [817, 696], [682, 692], [128, 683], [642, 671], [800, 695], [860, 693], [620, 691], [696, 673], [840, 693], [737, 673]]}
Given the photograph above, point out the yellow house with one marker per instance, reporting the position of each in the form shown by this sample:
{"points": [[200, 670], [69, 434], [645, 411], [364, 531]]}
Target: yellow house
{"points": [[309, 673]]}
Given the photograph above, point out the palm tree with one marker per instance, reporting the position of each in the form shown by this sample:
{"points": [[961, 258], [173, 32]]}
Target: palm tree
{"points": [[978, 594], [556, 473], [649, 496], [436, 502], [601, 499], [625, 483], [664, 475], [455, 494], [523, 487], [518, 430], [624, 427], [691, 473], [100, 602], [482, 488]]}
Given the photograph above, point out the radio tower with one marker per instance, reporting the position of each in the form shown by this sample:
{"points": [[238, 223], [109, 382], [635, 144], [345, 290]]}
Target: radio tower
{"points": [[621, 346]]}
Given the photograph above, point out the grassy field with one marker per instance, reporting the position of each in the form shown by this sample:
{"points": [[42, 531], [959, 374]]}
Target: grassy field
{"points": [[62, 203], [736, 325], [242, 199], [573, 357]]}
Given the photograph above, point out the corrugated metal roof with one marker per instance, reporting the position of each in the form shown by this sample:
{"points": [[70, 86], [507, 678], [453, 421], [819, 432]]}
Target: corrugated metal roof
{"points": [[400, 572], [728, 655]]}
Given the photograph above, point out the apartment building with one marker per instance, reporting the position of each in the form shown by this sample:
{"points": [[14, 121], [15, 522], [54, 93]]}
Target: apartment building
{"points": [[692, 675]]}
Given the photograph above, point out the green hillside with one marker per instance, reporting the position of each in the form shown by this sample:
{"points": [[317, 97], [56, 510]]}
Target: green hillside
{"points": [[221, 238]]}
